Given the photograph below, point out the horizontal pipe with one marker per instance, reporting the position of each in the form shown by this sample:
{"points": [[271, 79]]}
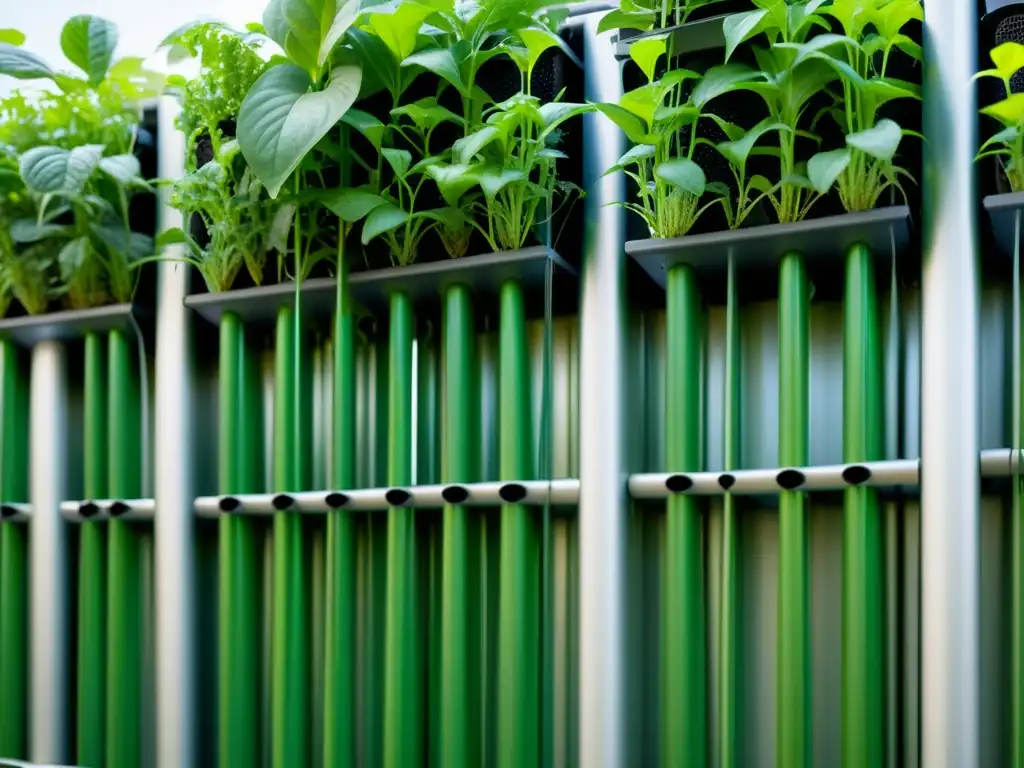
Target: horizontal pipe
{"points": [[15, 513], [138, 510]]}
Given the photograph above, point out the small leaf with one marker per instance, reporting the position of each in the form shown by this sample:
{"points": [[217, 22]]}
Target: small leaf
{"points": [[824, 168], [23, 65], [465, 149], [634, 155], [618, 19], [345, 15], [89, 42], [31, 231], [280, 227], [737, 152], [72, 256], [538, 40], [399, 29], [350, 205], [741, 27], [172, 236], [1009, 111], [721, 80], [427, 113], [682, 173], [122, 168], [381, 219], [453, 181], [368, 125], [132, 245], [493, 179], [647, 52], [880, 141], [13, 37], [441, 62], [308, 30], [399, 160], [59, 171], [554, 113], [631, 125]]}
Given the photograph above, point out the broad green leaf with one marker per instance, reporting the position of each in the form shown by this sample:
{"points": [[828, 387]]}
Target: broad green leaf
{"points": [[368, 125], [721, 80], [806, 52], [1008, 58], [381, 219], [465, 149], [52, 170], [740, 27], [1009, 111], [380, 69], [682, 173], [880, 141], [824, 168], [646, 52], [281, 119], [399, 30], [852, 15], [554, 113], [644, 101], [345, 14], [130, 69], [453, 180], [308, 30], [73, 256], [883, 89], [89, 42], [891, 17], [620, 19], [634, 155], [909, 47], [352, 204], [731, 130], [441, 62], [133, 245], [122, 168], [630, 124], [399, 160], [493, 179], [737, 152], [13, 37], [280, 227], [537, 41], [21, 64], [172, 236], [427, 113], [819, 44], [1004, 136], [32, 231], [675, 76]]}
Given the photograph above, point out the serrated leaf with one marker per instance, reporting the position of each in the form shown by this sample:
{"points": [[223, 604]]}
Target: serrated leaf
{"points": [[381, 219], [122, 168], [646, 52], [368, 125], [21, 64], [351, 205], [52, 170], [441, 62], [13, 37], [740, 27], [32, 231], [281, 119], [89, 42], [682, 173], [880, 141], [824, 168]]}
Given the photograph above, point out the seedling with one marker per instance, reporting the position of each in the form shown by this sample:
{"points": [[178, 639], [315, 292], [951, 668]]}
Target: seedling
{"points": [[1007, 145]]}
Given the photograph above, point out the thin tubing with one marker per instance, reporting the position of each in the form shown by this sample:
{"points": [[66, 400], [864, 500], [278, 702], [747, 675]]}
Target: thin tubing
{"points": [[684, 715], [863, 702], [1017, 523], [793, 746]]}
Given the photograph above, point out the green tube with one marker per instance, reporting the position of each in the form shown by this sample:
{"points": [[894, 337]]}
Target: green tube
{"points": [[238, 667], [124, 628], [863, 660], [684, 716], [794, 661], [730, 732], [13, 556], [403, 731], [519, 562], [91, 708], [459, 689], [340, 646], [290, 683]]}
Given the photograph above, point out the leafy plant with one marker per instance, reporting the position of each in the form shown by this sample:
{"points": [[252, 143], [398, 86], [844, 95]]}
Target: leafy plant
{"points": [[1007, 145], [637, 14]]}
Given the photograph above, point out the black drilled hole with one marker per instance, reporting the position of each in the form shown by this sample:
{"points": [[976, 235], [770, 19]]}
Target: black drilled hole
{"points": [[512, 492], [396, 497], [88, 509], [118, 508], [282, 502], [454, 494], [856, 474], [229, 504], [727, 481], [790, 479], [678, 483], [336, 500], [8, 511]]}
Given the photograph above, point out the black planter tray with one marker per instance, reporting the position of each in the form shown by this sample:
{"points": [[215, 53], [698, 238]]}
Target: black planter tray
{"points": [[694, 36], [825, 239], [1002, 213], [484, 274], [66, 325]]}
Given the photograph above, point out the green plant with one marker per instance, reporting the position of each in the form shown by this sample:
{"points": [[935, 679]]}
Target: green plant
{"points": [[637, 14], [1007, 145]]}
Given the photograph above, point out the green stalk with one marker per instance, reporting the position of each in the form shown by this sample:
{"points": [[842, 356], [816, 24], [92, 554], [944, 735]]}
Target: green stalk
{"points": [[403, 732], [238, 635], [340, 646], [290, 685], [794, 670], [459, 691], [519, 561], [863, 659], [124, 627], [13, 556], [684, 715], [730, 732], [91, 707]]}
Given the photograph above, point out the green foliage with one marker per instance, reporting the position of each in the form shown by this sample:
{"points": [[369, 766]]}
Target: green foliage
{"points": [[1007, 144], [650, 14]]}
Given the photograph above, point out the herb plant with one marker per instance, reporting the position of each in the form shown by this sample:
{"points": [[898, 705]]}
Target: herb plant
{"points": [[1007, 145]]}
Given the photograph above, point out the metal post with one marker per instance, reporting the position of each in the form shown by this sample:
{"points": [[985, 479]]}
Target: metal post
{"points": [[173, 491], [602, 509], [949, 392], [47, 556]]}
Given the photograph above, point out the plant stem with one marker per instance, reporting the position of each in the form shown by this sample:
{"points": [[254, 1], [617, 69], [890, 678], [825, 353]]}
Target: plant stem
{"points": [[403, 731], [794, 682], [91, 662], [684, 714]]}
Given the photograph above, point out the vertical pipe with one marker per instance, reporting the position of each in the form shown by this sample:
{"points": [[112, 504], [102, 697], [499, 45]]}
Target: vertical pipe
{"points": [[91, 705], [340, 645], [290, 685], [13, 556], [683, 711], [124, 620], [950, 483], [460, 705], [794, 665], [48, 662], [403, 735], [173, 487], [1017, 524], [730, 677], [519, 563], [602, 508], [863, 660], [238, 630]]}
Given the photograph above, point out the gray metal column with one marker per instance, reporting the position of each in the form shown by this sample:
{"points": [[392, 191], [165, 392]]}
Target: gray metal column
{"points": [[602, 510], [48, 666], [173, 490], [949, 392]]}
